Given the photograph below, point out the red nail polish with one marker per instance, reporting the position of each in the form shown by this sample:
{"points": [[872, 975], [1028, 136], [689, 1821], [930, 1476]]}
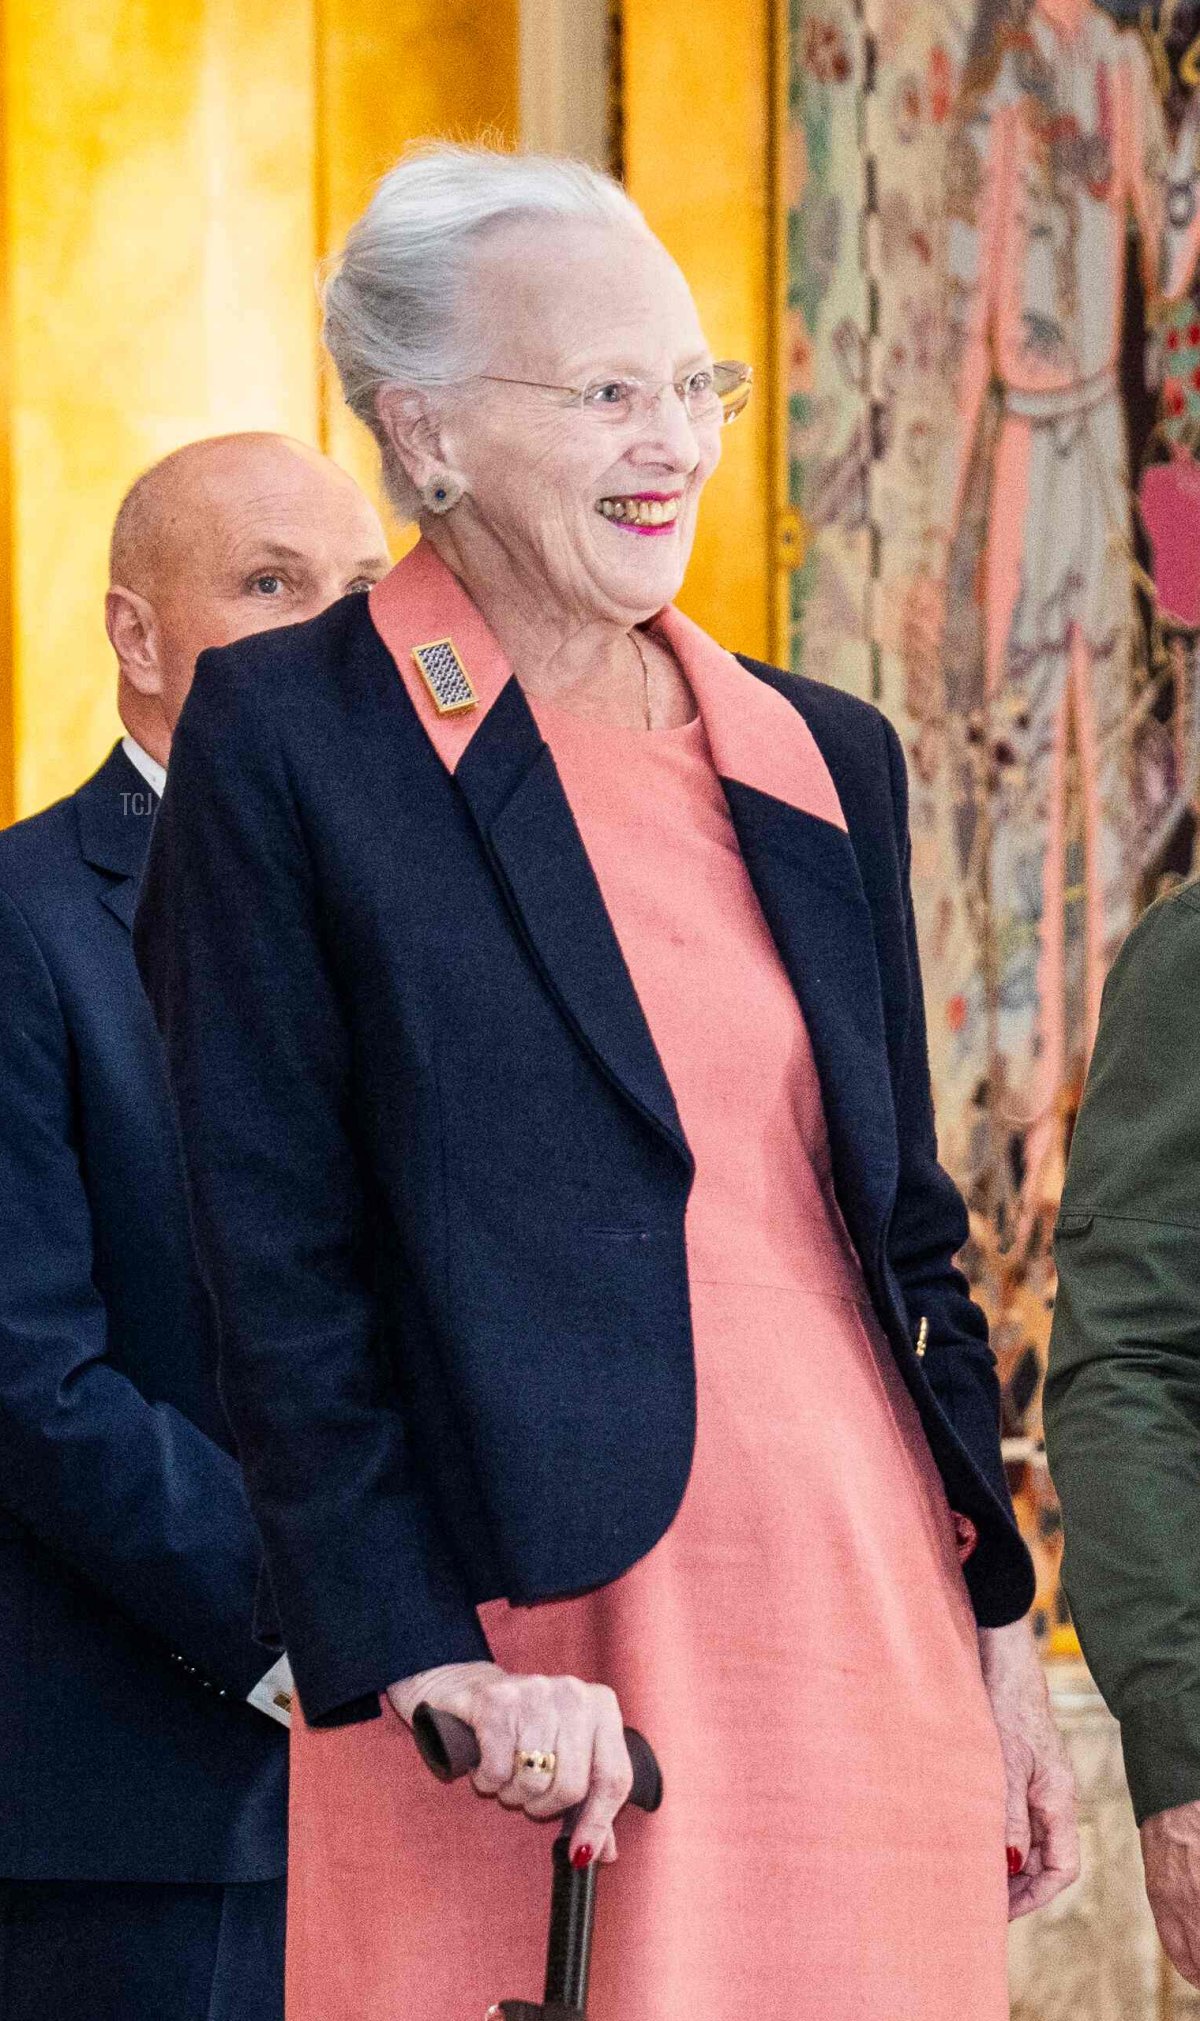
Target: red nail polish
{"points": [[1015, 1862], [582, 1856]]}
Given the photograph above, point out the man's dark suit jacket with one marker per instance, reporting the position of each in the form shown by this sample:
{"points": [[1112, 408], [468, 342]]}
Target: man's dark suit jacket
{"points": [[128, 1558], [438, 1177]]}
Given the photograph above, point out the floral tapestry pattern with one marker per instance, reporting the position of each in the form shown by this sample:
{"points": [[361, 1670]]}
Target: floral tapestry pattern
{"points": [[993, 409]]}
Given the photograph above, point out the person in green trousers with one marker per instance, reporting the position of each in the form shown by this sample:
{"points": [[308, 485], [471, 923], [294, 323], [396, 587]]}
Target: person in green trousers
{"points": [[1122, 1404]]}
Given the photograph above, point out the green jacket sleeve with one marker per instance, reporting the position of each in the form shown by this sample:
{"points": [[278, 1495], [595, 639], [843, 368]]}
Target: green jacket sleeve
{"points": [[1122, 1401]]}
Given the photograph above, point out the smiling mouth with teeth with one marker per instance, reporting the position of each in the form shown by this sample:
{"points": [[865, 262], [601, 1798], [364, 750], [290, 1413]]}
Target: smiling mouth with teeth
{"points": [[640, 515]]}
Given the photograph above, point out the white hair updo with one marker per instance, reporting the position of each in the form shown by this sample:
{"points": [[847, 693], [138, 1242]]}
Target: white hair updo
{"points": [[391, 295]]}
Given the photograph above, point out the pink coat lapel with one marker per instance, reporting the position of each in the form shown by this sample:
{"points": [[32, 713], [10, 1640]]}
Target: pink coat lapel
{"points": [[422, 600], [756, 737]]}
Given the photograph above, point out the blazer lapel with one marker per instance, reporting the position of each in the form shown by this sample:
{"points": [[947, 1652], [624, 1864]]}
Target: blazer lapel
{"points": [[810, 889], [502, 766], [792, 833], [120, 898], [791, 830], [115, 812]]}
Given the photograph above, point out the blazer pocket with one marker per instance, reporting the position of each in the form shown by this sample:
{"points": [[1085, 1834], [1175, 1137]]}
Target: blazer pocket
{"points": [[1073, 1224]]}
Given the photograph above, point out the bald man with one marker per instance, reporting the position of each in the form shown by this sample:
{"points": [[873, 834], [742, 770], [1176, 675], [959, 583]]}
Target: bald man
{"points": [[143, 1755]]}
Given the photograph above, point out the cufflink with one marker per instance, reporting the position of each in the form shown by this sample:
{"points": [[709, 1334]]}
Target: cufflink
{"points": [[283, 1699], [445, 677]]}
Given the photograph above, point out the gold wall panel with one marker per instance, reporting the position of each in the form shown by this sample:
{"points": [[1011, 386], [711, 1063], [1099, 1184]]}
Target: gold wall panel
{"points": [[698, 149], [159, 251], [389, 75], [7, 755]]}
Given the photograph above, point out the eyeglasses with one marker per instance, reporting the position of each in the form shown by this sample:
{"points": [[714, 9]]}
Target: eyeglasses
{"points": [[712, 393]]}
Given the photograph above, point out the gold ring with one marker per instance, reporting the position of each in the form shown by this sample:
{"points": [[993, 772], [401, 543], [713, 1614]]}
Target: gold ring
{"points": [[536, 1760]]}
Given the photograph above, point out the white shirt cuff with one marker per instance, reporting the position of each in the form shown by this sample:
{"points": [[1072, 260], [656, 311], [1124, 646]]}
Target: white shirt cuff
{"points": [[273, 1693]]}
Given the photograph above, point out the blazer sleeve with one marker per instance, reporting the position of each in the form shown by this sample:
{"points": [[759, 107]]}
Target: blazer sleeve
{"points": [[229, 941], [126, 1492], [929, 1226], [1122, 1404]]}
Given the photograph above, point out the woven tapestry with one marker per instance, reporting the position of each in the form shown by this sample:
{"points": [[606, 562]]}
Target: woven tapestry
{"points": [[993, 348]]}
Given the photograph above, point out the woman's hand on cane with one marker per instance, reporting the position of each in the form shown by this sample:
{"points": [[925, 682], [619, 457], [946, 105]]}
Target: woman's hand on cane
{"points": [[545, 1743]]}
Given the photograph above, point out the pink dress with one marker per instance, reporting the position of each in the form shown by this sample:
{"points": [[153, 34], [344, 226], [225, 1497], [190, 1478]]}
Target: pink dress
{"points": [[799, 1646]]}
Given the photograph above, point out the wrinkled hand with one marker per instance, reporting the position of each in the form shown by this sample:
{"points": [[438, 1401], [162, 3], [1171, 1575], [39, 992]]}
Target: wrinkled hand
{"points": [[580, 1724], [1171, 1853], [1041, 1822]]}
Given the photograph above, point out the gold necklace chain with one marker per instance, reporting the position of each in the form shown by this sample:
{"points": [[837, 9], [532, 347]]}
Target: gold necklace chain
{"points": [[637, 647]]}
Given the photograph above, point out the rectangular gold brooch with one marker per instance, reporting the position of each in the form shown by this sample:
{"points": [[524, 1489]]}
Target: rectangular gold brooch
{"points": [[445, 677]]}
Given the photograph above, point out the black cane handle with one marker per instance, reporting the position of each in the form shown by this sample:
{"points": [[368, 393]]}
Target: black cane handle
{"points": [[449, 1748]]}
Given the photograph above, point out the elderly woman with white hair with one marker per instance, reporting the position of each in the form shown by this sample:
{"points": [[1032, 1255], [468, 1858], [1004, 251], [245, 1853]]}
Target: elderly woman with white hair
{"points": [[542, 1006]]}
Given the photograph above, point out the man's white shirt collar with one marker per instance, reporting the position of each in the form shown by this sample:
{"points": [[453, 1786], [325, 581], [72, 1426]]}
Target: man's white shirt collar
{"points": [[152, 772]]}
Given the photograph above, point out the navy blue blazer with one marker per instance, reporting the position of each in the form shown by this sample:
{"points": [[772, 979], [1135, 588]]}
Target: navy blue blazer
{"points": [[128, 1556], [437, 1174]]}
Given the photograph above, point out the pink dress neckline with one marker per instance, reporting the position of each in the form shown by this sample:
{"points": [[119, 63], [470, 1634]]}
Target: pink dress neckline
{"points": [[552, 717]]}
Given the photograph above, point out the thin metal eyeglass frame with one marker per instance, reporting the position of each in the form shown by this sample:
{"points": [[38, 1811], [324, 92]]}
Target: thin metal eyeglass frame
{"points": [[743, 386]]}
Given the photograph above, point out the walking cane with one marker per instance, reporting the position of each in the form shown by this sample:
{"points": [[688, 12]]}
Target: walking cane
{"points": [[449, 1747]]}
